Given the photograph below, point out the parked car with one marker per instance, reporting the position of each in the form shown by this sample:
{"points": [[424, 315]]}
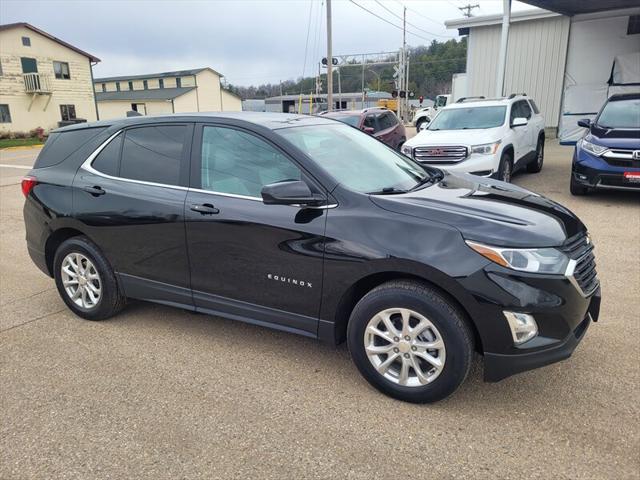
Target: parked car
{"points": [[608, 155], [379, 122], [500, 137], [307, 225]]}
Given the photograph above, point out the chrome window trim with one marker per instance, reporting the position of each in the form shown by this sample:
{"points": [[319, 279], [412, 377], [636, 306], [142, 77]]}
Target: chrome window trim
{"points": [[88, 167]]}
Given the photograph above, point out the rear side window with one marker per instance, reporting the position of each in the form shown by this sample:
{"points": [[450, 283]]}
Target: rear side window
{"points": [[61, 145], [536, 110], [153, 154], [108, 159]]}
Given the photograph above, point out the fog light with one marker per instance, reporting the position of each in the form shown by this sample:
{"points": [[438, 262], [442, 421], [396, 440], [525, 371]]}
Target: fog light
{"points": [[523, 326], [582, 177]]}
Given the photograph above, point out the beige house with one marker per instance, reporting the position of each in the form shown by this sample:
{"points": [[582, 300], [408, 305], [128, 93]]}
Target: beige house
{"points": [[43, 80], [198, 90]]}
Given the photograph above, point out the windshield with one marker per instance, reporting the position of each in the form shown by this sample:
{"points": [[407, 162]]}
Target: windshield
{"points": [[469, 118], [353, 120], [356, 160], [621, 114]]}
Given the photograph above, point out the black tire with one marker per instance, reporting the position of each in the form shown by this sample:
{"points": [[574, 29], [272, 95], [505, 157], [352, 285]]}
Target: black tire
{"points": [[449, 321], [505, 169], [399, 147], [576, 188], [536, 165], [111, 299], [419, 123]]}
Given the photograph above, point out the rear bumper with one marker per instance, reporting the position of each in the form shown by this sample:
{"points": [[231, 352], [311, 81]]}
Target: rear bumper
{"points": [[39, 259], [499, 366]]}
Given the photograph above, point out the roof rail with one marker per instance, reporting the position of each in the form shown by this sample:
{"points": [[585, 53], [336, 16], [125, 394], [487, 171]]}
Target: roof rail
{"points": [[464, 99], [513, 95]]}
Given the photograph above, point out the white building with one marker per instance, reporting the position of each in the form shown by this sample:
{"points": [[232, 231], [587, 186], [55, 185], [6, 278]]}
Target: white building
{"points": [[568, 58]]}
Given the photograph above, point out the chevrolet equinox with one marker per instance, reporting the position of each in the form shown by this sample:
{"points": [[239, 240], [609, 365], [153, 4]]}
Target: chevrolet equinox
{"points": [[308, 225]]}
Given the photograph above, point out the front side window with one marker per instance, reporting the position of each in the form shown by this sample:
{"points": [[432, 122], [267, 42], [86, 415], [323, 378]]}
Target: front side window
{"points": [[5, 114], [238, 163], [356, 160], [153, 154], [525, 109], [371, 122], [468, 118], [67, 112], [61, 70], [387, 120], [620, 114]]}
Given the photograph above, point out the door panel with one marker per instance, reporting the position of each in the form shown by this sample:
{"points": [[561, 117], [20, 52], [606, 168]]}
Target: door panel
{"points": [[244, 254]]}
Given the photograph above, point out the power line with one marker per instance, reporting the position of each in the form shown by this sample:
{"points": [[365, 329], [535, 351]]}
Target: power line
{"points": [[468, 7], [306, 44], [390, 23], [410, 24], [418, 13]]}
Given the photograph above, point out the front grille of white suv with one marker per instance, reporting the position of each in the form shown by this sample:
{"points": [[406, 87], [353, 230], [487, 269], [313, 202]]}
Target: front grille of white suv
{"points": [[440, 154]]}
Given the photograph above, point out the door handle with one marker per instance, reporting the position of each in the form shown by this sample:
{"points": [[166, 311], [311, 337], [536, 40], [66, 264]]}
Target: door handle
{"points": [[205, 209], [96, 191]]}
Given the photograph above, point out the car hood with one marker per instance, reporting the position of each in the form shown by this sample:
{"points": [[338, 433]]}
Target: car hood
{"points": [[612, 138], [454, 137], [488, 211]]}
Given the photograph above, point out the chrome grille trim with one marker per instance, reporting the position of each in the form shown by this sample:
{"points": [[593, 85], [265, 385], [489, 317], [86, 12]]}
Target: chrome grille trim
{"points": [[581, 270], [440, 153]]}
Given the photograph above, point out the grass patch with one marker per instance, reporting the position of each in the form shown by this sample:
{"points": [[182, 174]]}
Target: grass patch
{"points": [[19, 142]]}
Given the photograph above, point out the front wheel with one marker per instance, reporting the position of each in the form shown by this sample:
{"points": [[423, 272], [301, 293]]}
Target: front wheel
{"points": [[410, 342], [505, 168], [420, 123], [85, 280]]}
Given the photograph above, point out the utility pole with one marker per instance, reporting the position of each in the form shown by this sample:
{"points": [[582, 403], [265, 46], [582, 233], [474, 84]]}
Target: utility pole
{"points": [[468, 7], [403, 69], [329, 60]]}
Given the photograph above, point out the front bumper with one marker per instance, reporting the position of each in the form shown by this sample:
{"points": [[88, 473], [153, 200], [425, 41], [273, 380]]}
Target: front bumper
{"points": [[594, 172], [500, 366]]}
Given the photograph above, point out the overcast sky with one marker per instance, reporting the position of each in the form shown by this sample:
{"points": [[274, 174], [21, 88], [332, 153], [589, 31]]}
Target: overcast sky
{"points": [[248, 41]]}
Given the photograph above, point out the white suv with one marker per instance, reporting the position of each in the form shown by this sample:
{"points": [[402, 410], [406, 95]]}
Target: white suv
{"points": [[490, 138]]}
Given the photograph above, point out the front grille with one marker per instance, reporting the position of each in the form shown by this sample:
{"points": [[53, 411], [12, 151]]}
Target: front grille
{"points": [[580, 249], [621, 158], [440, 154]]}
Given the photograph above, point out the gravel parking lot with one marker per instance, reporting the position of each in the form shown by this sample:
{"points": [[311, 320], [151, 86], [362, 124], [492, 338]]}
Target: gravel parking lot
{"points": [[161, 393]]}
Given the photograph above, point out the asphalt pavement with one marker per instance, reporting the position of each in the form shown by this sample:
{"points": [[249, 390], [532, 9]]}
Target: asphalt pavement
{"points": [[159, 393]]}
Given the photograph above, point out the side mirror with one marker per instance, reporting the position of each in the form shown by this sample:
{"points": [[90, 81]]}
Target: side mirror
{"points": [[585, 122], [290, 192], [424, 126], [369, 130], [519, 122]]}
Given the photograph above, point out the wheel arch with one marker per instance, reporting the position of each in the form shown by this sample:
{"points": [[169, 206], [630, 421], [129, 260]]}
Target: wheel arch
{"points": [[56, 238], [367, 283]]}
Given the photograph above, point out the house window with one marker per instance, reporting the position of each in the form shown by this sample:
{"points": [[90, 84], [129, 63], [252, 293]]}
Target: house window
{"points": [[161, 83], [104, 87], [145, 85], [26, 41], [67, 112], [5, 114], [61, 70], [130, 85], [633, 27], [118, 86], [178, 82]]}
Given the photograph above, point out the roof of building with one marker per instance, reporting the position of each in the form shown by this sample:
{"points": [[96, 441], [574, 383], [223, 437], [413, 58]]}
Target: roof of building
{"points": [[230, 92], [9, 26], [575, 7], [153, 94], [496, 19], [273, 121], [146, 76], [336, 96]]}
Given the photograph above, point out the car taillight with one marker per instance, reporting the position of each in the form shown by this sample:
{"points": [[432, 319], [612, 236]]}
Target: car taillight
{"points": [[28, 183]]}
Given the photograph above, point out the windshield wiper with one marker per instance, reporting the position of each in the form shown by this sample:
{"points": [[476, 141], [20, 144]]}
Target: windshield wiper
{"points": [[387, 191], [432, 177]]}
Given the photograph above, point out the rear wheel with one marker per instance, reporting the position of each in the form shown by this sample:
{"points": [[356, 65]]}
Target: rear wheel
{"points": [[505, 169], [410, 342], [86, 281], [576, 188], [536, 165], [399, 147]]}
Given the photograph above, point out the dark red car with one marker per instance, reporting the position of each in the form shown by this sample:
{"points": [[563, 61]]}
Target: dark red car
{"points": [[379, 122]]}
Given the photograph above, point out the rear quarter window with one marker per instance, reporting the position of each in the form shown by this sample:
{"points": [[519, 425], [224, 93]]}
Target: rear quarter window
{"points": [[60, 145]]}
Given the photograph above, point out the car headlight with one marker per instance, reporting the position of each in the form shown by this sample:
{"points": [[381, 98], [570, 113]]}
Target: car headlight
{"points": [[486, 148], [533, 260], [407, 150], [592, 148]]}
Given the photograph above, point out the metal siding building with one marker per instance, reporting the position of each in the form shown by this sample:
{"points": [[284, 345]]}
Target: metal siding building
{"points": [[536, 57]]}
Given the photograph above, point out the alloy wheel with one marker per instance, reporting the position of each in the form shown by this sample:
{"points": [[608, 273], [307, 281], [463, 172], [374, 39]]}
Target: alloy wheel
{"points": [[81, 280], [404, 347], [506, 172]]}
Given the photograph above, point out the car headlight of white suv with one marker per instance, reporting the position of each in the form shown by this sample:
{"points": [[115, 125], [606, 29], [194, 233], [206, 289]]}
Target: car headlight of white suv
{"points": [[407, 150], [486, 148]]}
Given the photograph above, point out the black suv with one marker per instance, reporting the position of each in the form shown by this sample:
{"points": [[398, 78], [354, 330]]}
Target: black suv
{"points": [[310, 226]]}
